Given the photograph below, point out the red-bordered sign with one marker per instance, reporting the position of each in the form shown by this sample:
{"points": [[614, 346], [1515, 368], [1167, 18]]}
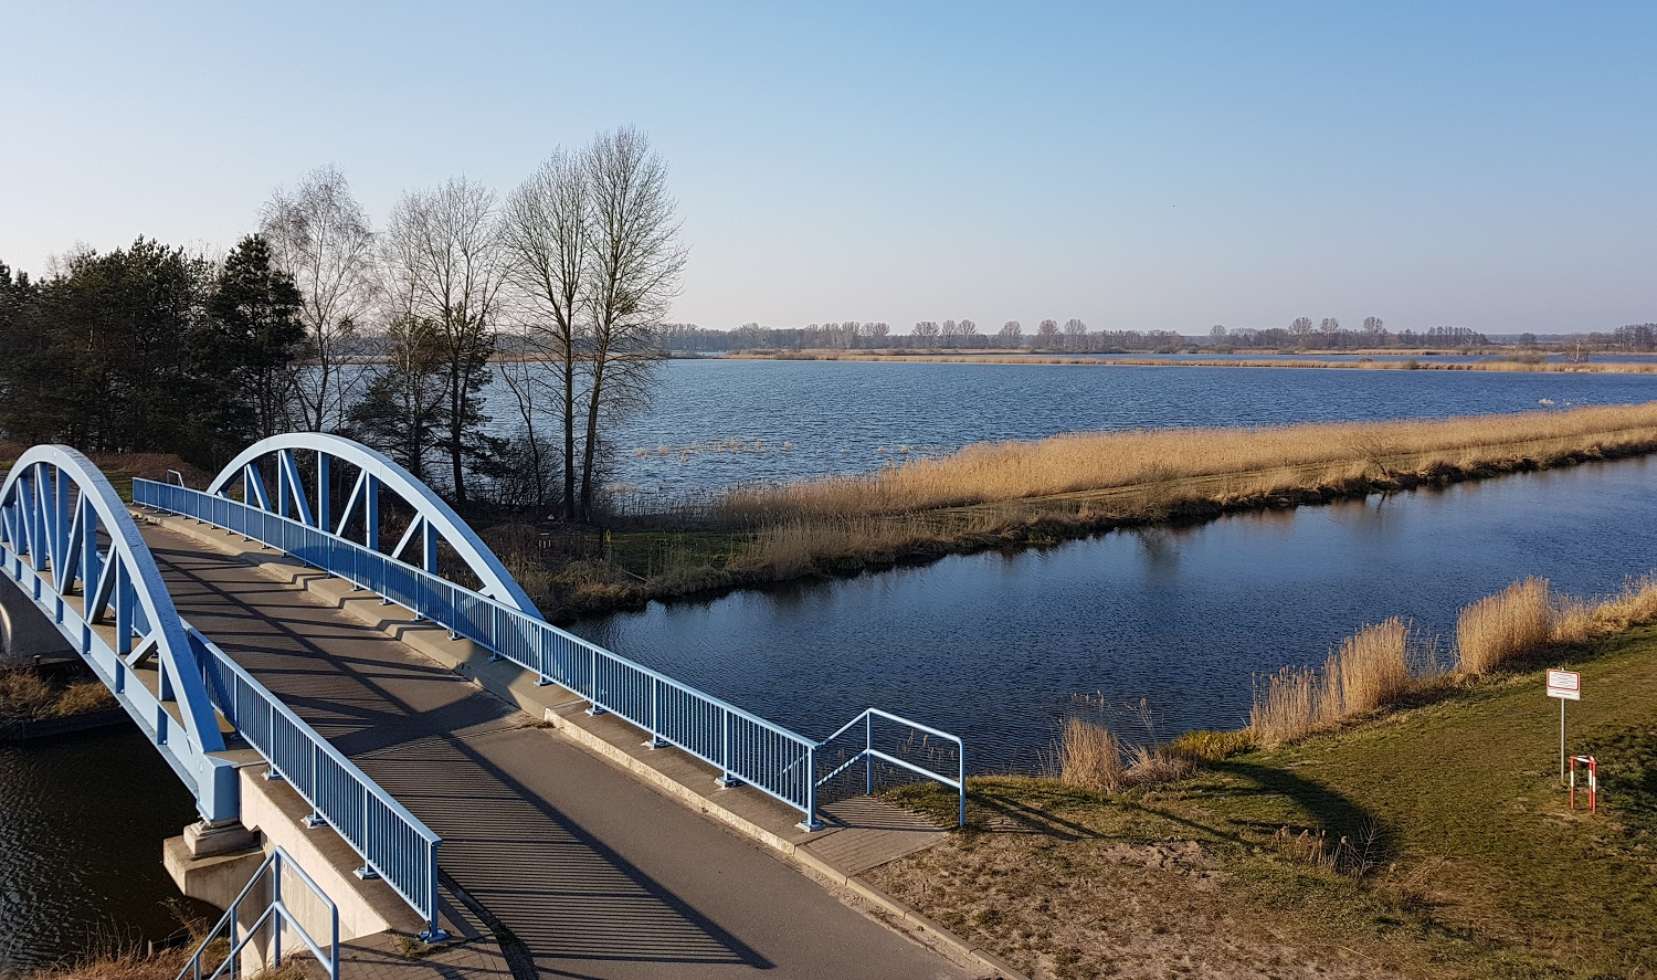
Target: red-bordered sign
{"points": [[1565, 684]]}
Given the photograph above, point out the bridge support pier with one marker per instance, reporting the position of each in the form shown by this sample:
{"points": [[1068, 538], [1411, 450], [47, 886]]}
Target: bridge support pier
{"points": [[209, 838]]}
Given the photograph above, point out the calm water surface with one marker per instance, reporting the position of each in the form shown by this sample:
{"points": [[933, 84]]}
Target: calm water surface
{"points": [[1000, 648], [717, 423], [81, 825]]}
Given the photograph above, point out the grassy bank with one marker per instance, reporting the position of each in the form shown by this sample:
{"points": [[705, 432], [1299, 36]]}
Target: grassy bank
{"points": [[120, 468], [1504, 362], [1432, 840], [999, 495]]}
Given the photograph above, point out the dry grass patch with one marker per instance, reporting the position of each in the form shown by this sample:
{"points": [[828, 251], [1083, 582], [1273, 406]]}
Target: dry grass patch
{"points": [[27, 694], [1090, 757]]}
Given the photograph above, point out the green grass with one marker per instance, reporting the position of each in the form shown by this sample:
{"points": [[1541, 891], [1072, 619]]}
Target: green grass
{"points": [[1478, 868]]}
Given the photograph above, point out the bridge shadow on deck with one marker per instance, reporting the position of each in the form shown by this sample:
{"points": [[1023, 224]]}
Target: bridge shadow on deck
{"points": [[432, 740]]}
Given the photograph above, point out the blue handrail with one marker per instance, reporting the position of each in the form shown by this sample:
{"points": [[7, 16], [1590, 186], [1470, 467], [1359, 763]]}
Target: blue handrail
{"points": [[276, 913], [744, 747], [394, 844]]}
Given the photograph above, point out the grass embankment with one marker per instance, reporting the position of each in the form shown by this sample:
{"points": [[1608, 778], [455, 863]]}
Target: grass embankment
{"points": [[1430, 840], [119, 468], [997, 495], [1505, 363]]}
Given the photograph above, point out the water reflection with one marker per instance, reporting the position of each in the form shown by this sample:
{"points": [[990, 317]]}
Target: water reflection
{"points": [[999, 646]]}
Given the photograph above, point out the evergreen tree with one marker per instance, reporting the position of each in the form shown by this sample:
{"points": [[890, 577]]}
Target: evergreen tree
{"points": [[253, 337], [404, 412]]}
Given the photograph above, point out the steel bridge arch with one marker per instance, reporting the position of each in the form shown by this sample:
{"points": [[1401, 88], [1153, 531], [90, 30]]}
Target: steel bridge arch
{"points": [[57, 510], [434, 519]]}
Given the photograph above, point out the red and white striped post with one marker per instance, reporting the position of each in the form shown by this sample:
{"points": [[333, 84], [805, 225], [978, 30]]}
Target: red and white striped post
{"points": [[1593, 781]]}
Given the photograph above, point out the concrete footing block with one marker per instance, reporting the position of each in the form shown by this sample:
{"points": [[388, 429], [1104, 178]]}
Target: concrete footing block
{"points": [[206, 838]]}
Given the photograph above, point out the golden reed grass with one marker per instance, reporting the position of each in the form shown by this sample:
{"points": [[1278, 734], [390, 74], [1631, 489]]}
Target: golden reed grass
{"points": [[1369, 670], [1499, 628], [1090, 757], [1372, 668], [1283, 457]]}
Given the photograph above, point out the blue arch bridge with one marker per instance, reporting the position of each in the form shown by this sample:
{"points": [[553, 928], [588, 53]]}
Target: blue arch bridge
{"points": [[319, 619]]}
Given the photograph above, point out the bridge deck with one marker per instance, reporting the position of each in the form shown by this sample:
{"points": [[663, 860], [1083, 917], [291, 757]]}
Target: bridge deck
{"points": [[593, 872]]}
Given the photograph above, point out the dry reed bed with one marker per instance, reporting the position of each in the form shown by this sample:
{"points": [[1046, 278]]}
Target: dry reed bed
{"points": [[1381, 664], [1004, 471]]}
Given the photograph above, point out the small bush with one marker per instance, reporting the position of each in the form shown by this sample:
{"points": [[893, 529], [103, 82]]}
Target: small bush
{"points": [[1155, 766], [1496, 629], [1207, 745]]}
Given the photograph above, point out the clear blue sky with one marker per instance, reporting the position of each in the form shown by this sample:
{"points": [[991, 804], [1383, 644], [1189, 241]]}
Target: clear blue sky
{"points": [[1148, 165]]}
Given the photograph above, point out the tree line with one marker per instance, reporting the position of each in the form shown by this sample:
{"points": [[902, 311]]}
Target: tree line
{"points": [[319, 321], [1050, 335]]}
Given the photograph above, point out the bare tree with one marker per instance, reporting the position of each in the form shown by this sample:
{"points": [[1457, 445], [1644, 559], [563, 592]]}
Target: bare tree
{"points": [[634, 263], [1047, 334], [877, 330], [1301, 326], [320, 236], [1217, 331], [1330, 325], [546, 230], [1075, 333], [968, 331], [1374, 326], [927, 330], [445, 250], [1011, 333]]}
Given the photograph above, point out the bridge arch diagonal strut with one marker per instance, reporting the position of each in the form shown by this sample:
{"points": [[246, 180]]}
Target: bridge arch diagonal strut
{"points": [[66, 534], [433, 520]]}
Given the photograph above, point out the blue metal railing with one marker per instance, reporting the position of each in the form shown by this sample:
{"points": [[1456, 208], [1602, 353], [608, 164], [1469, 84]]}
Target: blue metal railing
{"points": [[743, 746], [393, 843], [276, 914], [919, 757]]}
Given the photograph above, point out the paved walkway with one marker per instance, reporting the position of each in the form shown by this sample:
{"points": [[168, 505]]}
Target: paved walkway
{"points": [[585, 871]]}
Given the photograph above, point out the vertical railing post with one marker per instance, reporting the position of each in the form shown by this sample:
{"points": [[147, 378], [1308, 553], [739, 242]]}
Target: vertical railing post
{"points": [[961, 774], [315, 819], [868, 760], [725, 750], [811, 822], [366, 872], [276, 920], [434, 933], [655, 715], [594, 708]]}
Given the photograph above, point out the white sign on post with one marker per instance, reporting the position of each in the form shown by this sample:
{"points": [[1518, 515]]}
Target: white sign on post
{"points": [[1565, 684]]}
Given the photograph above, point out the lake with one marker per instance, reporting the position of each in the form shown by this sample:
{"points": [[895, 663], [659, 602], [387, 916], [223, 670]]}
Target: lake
{"points": [[1000, 648], [718, 423], [81, 824]]}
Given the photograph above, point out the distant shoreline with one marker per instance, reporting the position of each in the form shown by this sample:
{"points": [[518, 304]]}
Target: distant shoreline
{"points": [[1363, 361]]}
